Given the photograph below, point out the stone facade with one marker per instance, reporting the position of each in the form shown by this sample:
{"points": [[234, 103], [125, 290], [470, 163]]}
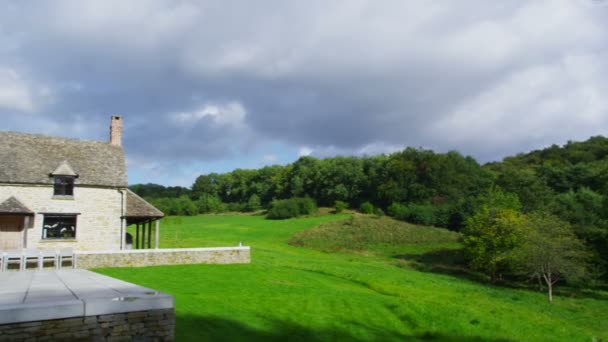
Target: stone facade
{"points": [[151, 325], [154, 257], [98, 225]]}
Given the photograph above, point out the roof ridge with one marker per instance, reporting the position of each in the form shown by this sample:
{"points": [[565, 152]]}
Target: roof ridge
{"points": [[48, 136]]}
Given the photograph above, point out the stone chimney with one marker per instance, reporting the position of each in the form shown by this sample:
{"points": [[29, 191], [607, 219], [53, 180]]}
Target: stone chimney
{"points": [[116, 131]]}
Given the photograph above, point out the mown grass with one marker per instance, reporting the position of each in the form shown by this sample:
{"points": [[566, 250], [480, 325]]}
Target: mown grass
{"points": [[301, 294]]}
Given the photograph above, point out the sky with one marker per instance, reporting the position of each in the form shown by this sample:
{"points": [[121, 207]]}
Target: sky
{"points": [[210, 86]]}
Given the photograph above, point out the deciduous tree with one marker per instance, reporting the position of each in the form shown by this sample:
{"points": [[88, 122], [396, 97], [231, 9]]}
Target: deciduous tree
{"points": [[489, 237], [548, 249]]}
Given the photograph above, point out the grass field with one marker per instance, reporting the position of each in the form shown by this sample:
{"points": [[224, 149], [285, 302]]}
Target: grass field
{"points": [[373, 292]]}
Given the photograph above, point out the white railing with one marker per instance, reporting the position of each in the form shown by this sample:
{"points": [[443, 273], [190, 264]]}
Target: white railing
{"points": [[25, 257]]}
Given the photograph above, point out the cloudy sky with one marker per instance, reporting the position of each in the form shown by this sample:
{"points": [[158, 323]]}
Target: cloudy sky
{"points": [[209, 86]]}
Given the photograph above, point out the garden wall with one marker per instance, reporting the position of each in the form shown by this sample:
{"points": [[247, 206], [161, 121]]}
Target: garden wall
{"points": [[169, 256]]}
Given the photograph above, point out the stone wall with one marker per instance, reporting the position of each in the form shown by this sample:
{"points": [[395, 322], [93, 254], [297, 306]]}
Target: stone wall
{"points": [[153, 257], [152, 325], [97, 226]]}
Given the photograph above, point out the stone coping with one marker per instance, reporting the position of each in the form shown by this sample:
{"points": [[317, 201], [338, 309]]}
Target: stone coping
{"points": [[56, 294], [166, 250]]}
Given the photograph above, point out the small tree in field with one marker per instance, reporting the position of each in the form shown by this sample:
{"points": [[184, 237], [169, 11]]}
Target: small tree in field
{"points": [[489, 236], [550, 251]]}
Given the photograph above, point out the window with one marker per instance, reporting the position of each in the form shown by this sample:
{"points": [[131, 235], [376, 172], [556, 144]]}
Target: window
{"points": [[64, 186], [59, 226]]}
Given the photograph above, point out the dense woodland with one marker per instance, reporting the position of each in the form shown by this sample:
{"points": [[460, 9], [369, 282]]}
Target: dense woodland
{"points": [[490, 204]]}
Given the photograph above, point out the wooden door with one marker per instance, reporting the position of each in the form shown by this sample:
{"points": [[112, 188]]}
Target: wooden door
{"points": [[11, 232]]}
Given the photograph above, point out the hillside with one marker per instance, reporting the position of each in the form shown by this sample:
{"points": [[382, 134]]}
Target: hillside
{"points": [[301, 294], [423, 187], [368, 233]]}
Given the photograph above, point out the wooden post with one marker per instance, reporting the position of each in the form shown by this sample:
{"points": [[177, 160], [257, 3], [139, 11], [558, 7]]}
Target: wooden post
{"points": [[123, 238], [143, 236], [157, 233], [26, 224], [150, 234], [137, 236]]}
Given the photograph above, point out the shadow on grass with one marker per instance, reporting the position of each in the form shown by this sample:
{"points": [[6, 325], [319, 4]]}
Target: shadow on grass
{"points": [[453, 262], [443, 261], [201, 328]]}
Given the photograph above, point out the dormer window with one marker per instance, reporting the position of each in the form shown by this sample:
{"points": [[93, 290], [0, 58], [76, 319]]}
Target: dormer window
{"points": [[64, 186], [63, 180]]}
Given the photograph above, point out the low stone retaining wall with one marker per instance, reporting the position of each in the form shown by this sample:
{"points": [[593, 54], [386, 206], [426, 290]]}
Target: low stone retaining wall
{"points": [[80, 305], [151, 325], [168, 256]]}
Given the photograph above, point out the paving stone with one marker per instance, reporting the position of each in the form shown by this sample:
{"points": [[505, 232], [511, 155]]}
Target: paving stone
{"points": [[56, 304]]}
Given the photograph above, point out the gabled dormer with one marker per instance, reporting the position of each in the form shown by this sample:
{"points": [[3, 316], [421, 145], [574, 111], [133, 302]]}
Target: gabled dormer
{"points": [[63, 180]]}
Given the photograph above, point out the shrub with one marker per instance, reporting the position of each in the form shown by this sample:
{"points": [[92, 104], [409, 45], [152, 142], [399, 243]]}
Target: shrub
{"points": [[235, 207], [413, 213], [420, 214], [397, 210], [176, 206], [443, 215], [210, 204], [340, 206], [367, 208], [254, 203], [185, 206], [379, 212], [293, 207]]}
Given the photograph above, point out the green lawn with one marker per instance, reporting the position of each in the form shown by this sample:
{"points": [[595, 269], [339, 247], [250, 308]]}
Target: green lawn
{"points": [[301, 294]]}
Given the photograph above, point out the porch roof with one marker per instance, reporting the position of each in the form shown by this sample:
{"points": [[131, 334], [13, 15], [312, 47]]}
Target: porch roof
{"points": [[138, 209], [12, 206]]}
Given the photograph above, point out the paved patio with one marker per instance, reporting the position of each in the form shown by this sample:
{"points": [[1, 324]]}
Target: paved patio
{"points": [[55, 294]]}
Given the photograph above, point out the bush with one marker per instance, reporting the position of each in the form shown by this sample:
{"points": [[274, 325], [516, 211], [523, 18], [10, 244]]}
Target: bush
{"points": [[413, 213], [340, 206], [379, 212], [254, 203], [185, 206], [397, 210], [421, 214], [175, 206], [210, 204], [235, 207], [367, 208], [443, 215], [293, 207]]}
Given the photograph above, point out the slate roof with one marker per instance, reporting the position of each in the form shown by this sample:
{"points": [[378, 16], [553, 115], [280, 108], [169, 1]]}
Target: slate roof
{"points": [[64, 170], [14, 206], [31, 158], [138, 207]]}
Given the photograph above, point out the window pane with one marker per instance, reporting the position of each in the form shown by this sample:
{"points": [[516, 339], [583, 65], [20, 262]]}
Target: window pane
{"points": [[64, 186], [59, 227]]}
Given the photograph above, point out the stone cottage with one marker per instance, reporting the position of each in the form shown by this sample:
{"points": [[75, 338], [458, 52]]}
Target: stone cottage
{"points": [[67, 193]]}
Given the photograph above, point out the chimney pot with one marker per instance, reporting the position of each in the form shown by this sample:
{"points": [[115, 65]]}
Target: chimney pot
{"points": [[116, 130]]}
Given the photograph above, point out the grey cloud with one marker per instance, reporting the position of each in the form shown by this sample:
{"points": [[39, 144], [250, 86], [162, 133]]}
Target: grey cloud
{"points": [[334, 76]]}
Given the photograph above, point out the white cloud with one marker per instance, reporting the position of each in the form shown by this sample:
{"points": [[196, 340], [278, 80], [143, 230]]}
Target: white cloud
{"points": [[537, 104], [305, 151], [367, 150], [378, 148], [232, 114], [269, 158], [15, 94]]}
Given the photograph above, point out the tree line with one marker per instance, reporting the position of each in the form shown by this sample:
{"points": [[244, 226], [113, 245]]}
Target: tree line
{"points": [[568, 182]]}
